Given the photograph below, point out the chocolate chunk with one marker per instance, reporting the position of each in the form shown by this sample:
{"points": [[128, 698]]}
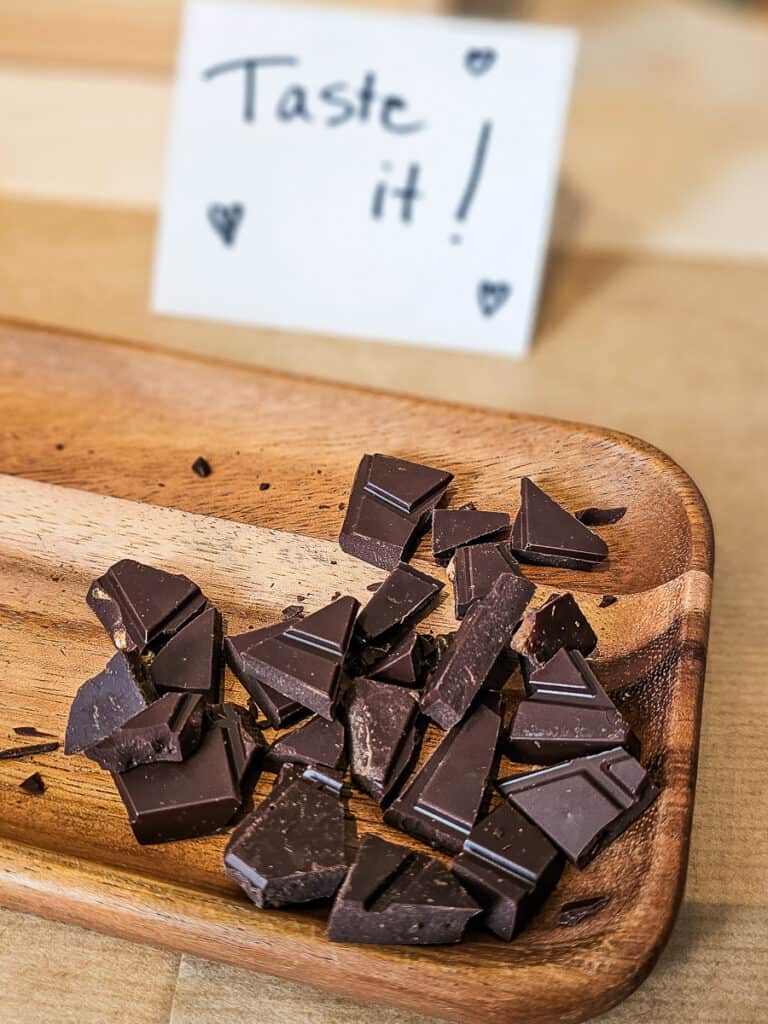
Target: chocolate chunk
{"points": [[394, 896], [579, 910], [191, 661], [545, 534], [33, 784], [381, 721], [201, 466], [168, 730], [567, 714], [510, 867], [279, 710], [607, 600], [583, 805], [403, 664], [559, 622], [30, 730], [304, 661], [291, 848], [244, 738], [390, 506], [475, 569], [140, 606], [316, 742], [600, 516], [192, 798], [106, 702], [14, 753], [480, 655], [406, 594], [445, 798], [454, 528]]}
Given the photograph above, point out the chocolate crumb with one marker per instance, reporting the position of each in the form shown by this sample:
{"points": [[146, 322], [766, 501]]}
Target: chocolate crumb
{"points": [[201, 466], [579, 910], [342, 506], [470, 506], [55, 579], [334, 562], [323, 506], [608, 600], [300, 598], [30, 730], [373, 586], [264, 486], [336, 595], [600, 516], [292, 611], [33, 784], [11, 753], [59, 447]]}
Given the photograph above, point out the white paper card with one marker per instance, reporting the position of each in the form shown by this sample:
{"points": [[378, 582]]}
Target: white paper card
{"points": [[358, 173]]}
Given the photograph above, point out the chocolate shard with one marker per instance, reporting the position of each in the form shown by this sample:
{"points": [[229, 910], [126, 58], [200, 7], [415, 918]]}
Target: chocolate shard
{"points": [[445, 798], [390, 506], [544, 533], [142, 607], [579, 910], [381, 723], [510, 867], [403, 665], [317, 742], [291, 848], [191, 661], [33, 784], [454, 528], [168, 730], [405, 595], [194, 797], [559, 622], [106, 702], [30, 750], [394, 896], [279, 710], [567, 714], [479, 657], [305, 660], [474, 569], [600, 516], [584, 804]]}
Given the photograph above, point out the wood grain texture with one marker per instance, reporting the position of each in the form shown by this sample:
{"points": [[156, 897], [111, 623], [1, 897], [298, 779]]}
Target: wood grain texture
{"points": [[71, 854]]}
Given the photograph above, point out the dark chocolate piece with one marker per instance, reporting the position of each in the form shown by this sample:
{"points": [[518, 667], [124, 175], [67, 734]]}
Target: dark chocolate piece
{"points": [[583, 805], [445, 798], [474, 569], [559, 622], [480, 654], [30, 730], [405, 595], [304, 661], [244, 737], [373, 587], [317, 742], [294, 611], [510, 867], [33, 784], [140, 606], [607, 600], [455, 528], [14, 753], [291, 848], [106, 702], [394, 896], [279, 710], [544, 533], [567, 714], [168, 730], [579, 910], [191, 661], [403, 665], [264, 486], [600, 516], [201, 466], [390, 506], [381, 720]]}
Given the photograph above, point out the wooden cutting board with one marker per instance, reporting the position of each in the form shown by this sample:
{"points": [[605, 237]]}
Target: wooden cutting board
{"points": [[70, 854]]}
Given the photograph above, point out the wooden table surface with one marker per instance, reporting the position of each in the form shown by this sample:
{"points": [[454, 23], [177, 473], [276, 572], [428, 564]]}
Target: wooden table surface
{"points": [[653, 322]]}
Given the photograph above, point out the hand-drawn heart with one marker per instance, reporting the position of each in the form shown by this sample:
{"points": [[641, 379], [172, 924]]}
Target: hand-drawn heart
{"points": [[225, 220], [491, 296], [477, 62]]}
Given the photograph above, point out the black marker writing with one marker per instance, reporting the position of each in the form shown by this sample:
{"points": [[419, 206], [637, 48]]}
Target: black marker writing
{"points": [[476, 171], [249, 65], [407, 195]]}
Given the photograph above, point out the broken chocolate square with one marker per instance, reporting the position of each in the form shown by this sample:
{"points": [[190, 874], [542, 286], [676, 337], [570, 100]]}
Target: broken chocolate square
{"points": [[403, 665], [474, 569], [168, 730], [544, 533], [455, 528], [191, 660], [405, 595]]}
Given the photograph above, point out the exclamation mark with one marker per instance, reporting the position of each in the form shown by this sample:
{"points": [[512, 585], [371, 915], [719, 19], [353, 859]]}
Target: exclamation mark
{"points": [[475, 173]]}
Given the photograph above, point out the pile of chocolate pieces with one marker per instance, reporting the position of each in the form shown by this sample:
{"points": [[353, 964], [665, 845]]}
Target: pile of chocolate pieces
{"points": [[185, 764]]}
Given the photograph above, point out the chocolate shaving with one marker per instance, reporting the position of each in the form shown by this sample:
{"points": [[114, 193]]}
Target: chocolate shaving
{"points": [[30, 730], [11, 753], [578, 910], [600, 516]]}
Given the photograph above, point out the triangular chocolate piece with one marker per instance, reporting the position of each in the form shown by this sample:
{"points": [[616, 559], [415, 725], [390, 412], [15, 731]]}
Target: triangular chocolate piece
{"points": [[559, 622], [406, 485], [106, 702], [584, 804], [191, 661], [316, 742], [544, 533], [245, 740], [329, 629], [479, 656], [404, 664], [510, 867], [394, 896], [406, 594], [474, 569], [279, 710], [381, 722], [141, 606], [454, 528], [444, 799], [291, 848]]}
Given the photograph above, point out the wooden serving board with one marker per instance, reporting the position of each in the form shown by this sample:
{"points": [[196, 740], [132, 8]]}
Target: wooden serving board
{"points": [[70, 853]]}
